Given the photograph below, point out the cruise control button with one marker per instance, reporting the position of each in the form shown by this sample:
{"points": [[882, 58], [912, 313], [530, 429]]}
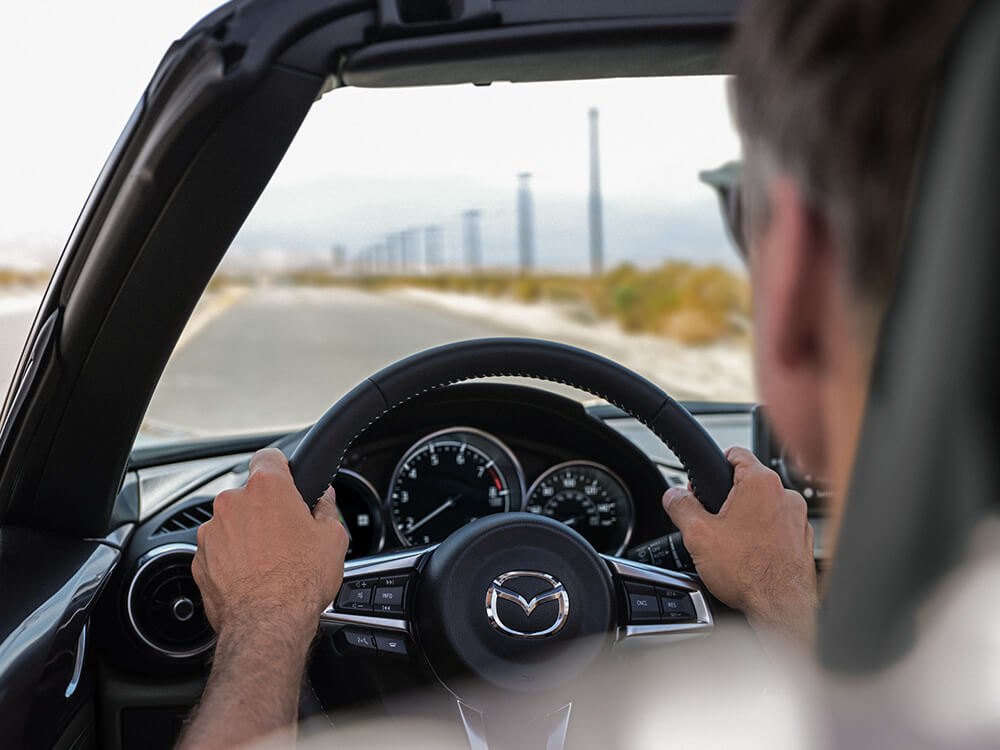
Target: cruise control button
{"points": [[389, 599], [670, 594], [360, 640], [356, 595], [642, 603], [677, 609], [391, 644]]}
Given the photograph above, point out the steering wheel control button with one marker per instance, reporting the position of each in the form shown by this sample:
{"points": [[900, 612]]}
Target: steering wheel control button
{"points": [[392, 645], [643, 603], [360, 640], [393, 581], [389, 600], [356, 596], [675, 605]]}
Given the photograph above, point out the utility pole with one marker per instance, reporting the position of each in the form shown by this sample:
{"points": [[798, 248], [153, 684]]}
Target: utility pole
{"points": [[392, 252], [338, 256], [407, 245], [471, 245], [433, 245], [525, 223], [596, 217]]}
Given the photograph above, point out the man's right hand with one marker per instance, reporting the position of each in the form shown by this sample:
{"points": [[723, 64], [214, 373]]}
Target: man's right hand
{"points": [[265, 561], [756, 554], [266, 568]]}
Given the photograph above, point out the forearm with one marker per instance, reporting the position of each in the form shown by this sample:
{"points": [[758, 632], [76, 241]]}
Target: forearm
{"points": [[253, 690], [788, 618]]}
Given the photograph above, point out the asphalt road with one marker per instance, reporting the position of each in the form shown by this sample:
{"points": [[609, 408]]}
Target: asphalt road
{"points": [[279, 357]]}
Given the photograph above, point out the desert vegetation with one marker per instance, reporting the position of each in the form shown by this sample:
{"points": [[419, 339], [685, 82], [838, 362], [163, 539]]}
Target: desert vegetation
{"points": [[693, 304]]}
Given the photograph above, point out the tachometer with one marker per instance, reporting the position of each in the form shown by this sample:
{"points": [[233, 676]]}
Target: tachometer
{"points": [[449, 479], [589, 498], [358, 503]]}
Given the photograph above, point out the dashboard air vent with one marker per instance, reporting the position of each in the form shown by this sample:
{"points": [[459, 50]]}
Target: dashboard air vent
{"points": [[190, 517], [164, 605]]}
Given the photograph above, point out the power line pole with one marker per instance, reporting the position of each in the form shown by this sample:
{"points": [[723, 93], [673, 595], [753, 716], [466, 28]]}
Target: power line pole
{"points": [[433, 245], [525, 223], [407, 248], [471, 245], [596, 218]]}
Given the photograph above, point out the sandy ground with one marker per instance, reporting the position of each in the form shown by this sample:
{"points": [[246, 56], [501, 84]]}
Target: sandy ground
{"points": [[718, 372]]}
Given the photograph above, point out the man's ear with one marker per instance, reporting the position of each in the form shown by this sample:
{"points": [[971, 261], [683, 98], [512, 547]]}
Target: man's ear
{"points": [[792, 265], [802, 280]]}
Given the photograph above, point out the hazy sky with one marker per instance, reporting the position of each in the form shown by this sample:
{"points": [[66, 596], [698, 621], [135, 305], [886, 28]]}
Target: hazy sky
{"points": [[369, 162], [71, 74]]}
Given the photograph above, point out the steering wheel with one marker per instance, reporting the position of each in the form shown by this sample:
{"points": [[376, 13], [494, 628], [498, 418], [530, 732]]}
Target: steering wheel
{"points": [[513, 604]]}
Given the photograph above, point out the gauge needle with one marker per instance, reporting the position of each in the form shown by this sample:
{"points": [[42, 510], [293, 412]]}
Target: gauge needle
{"points": [[570, 521], [450, 502]]}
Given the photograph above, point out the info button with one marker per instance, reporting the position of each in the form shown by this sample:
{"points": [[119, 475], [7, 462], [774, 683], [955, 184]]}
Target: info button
{"points": [[389, 599]]}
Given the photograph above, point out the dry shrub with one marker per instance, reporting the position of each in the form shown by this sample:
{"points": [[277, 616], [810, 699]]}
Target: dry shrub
{"points": [[694, 326], [692, 304]]}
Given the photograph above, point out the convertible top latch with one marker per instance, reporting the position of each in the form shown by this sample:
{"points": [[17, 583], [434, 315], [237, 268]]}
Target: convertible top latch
{"points": [[403, 18]]}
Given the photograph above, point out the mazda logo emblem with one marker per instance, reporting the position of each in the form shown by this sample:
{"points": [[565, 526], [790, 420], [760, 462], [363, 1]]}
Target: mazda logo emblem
{"points": [[501, 589]]}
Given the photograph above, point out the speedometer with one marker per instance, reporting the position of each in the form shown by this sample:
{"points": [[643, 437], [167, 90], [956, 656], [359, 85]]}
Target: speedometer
{"points": [[589, 498], [449, 479]]}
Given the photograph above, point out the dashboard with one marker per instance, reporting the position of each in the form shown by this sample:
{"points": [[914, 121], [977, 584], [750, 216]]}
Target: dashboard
{"points": [[419, 473], [476, 450], [422, 471]]}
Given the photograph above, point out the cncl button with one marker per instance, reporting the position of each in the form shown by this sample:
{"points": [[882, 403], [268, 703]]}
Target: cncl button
{"points": [[643, 604]]}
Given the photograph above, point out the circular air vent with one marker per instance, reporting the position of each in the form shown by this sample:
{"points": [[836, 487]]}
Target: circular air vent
{"points": [[164, 604]]}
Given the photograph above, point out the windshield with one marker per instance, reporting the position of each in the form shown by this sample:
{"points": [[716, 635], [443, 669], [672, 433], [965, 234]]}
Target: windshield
{"points": [[406, 218]]}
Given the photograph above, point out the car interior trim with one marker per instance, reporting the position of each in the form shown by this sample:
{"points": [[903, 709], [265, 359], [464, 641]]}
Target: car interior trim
{"points": [[144, 563]]}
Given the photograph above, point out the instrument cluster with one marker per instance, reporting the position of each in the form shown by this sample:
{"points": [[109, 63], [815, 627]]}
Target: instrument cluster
{"points": [[451, 477]]}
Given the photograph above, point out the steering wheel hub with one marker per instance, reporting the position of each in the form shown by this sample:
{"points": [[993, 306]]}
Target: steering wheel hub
{"points": [[518, 601]]}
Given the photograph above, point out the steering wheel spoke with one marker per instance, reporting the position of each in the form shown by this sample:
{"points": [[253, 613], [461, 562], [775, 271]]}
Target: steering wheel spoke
{"points": [[656, 602], [373, 609], [547, 730]]}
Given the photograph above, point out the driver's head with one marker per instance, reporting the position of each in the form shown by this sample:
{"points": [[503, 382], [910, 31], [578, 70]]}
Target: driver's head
{"points": [[831, 98]]}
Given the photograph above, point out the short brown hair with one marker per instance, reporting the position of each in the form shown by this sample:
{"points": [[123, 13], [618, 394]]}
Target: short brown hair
{"points": [[836, 92]]}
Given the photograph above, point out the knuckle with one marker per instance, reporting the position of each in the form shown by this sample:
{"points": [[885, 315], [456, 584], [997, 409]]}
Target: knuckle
{"points": [[340, 536], [198, 568], [796, 502], [222, 506], [265, 479], [766, 482], [772, 479]]}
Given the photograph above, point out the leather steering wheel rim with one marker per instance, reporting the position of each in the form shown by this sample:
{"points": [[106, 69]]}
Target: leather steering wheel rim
{"points": [[329, 440]]}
